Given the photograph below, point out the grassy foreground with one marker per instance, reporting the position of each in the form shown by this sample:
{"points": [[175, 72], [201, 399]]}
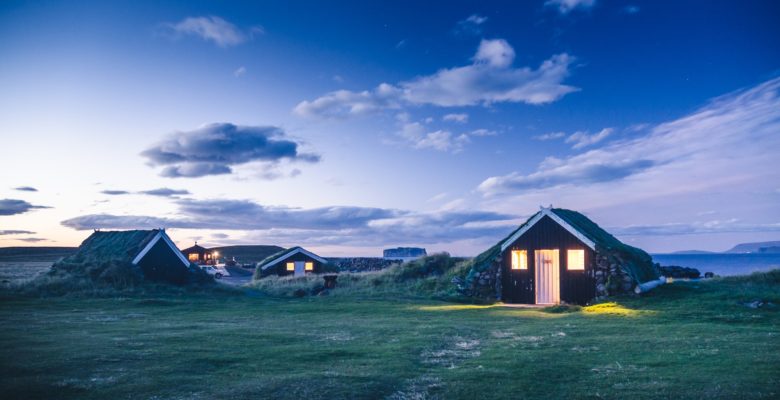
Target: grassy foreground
{"points": [[686, 340]]}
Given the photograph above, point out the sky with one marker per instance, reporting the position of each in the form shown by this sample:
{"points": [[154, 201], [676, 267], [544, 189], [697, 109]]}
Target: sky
{"points": [[349, 127]]}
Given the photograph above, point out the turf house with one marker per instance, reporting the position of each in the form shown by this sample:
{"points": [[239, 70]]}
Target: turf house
{"points": [[559, 256], [199, 254], [295, 261], [127, 255]]}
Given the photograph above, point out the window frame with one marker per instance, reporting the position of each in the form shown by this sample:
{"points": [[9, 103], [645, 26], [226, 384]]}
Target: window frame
{"points": [[308, 266], [290, 267], [522, 260], [569, 259]]}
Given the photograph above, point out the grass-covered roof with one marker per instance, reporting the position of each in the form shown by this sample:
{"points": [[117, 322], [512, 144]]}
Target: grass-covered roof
{"points": [[276, 255], [121, 246], [636, 262]]}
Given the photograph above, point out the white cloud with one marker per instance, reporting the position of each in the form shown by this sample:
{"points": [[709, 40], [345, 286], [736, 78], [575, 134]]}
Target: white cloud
{"points": [[211, 28], [733, 139], [579, 170], [550, 136], [496, 53], [419, 137], [239, 72], [438, 197], [567, 6], [471, 25], [476, 19], [490, 79], [343, 103], [584, 138], [460, 118], [483, 132]]}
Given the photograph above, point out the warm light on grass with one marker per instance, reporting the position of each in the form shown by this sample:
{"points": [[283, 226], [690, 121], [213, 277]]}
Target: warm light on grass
{"points": [[612, 308], [498, 309], [457, 307]]}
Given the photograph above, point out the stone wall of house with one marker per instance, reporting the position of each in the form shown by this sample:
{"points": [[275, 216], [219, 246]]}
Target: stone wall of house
{"points": [[482, 284], [611, 279]]}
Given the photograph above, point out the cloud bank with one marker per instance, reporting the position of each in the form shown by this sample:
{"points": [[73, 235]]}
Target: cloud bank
{"points": [[15, 232], [14, 206], [346, 225], [735, 132], [215, 148], [165, 192]]}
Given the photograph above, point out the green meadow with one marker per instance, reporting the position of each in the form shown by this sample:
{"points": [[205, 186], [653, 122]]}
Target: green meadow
{"points": [[684, 340]]}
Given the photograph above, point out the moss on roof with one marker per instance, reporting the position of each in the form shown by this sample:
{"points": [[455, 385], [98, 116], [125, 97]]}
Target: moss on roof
{"points": [[121, 246], [276, 255], [636, 262]]}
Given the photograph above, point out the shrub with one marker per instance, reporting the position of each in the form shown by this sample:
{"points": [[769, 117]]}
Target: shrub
{"points": [[432, 265], [428, 277]]}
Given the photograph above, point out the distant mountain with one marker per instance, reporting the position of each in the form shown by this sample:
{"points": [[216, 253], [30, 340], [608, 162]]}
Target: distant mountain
{"points": [[246, 254], [36, 254], [768, 247]]}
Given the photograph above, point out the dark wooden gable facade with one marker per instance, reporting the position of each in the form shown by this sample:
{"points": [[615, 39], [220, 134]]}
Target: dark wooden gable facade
{"points": [[162, 263], [519, 285], [198, 254], [280, 263]]}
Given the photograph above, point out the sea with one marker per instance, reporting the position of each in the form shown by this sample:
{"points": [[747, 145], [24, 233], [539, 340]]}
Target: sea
{"points": [[725, 264]]}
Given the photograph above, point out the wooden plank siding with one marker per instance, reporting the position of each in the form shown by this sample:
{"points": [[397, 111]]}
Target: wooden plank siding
{"points": [[518, 286], [162, 264], [281, 267]]}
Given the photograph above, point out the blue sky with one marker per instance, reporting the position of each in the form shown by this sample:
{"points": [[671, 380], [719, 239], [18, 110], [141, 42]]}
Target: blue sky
{"points": [[347, 127]]}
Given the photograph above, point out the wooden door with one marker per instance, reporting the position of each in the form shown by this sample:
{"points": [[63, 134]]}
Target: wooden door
{"points": [[300, 268], [547, 276]]}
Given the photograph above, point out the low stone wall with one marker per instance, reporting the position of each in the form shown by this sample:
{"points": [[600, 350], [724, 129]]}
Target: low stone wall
{"points": [[362, 264], [611, 279], [485, 284]]}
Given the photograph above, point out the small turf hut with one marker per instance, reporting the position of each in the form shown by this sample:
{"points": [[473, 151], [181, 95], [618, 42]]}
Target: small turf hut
{"points": [[293, 261], [147, 254], [558, 256], [199, 254]]}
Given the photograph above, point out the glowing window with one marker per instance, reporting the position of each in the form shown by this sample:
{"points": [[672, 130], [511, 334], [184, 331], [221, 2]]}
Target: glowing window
{"points": [[291, 266], [310, 266], [193, 257], [575, 259], [519, 259]]}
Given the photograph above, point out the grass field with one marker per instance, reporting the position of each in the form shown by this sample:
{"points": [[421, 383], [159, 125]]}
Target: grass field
{"points": [[14, 272], [686, 340]]}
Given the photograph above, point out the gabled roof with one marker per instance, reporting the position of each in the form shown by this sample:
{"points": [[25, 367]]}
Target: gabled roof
{"points": [[637, 263], [550, 212], [276, 258], [195, 249], [124, 246]]}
